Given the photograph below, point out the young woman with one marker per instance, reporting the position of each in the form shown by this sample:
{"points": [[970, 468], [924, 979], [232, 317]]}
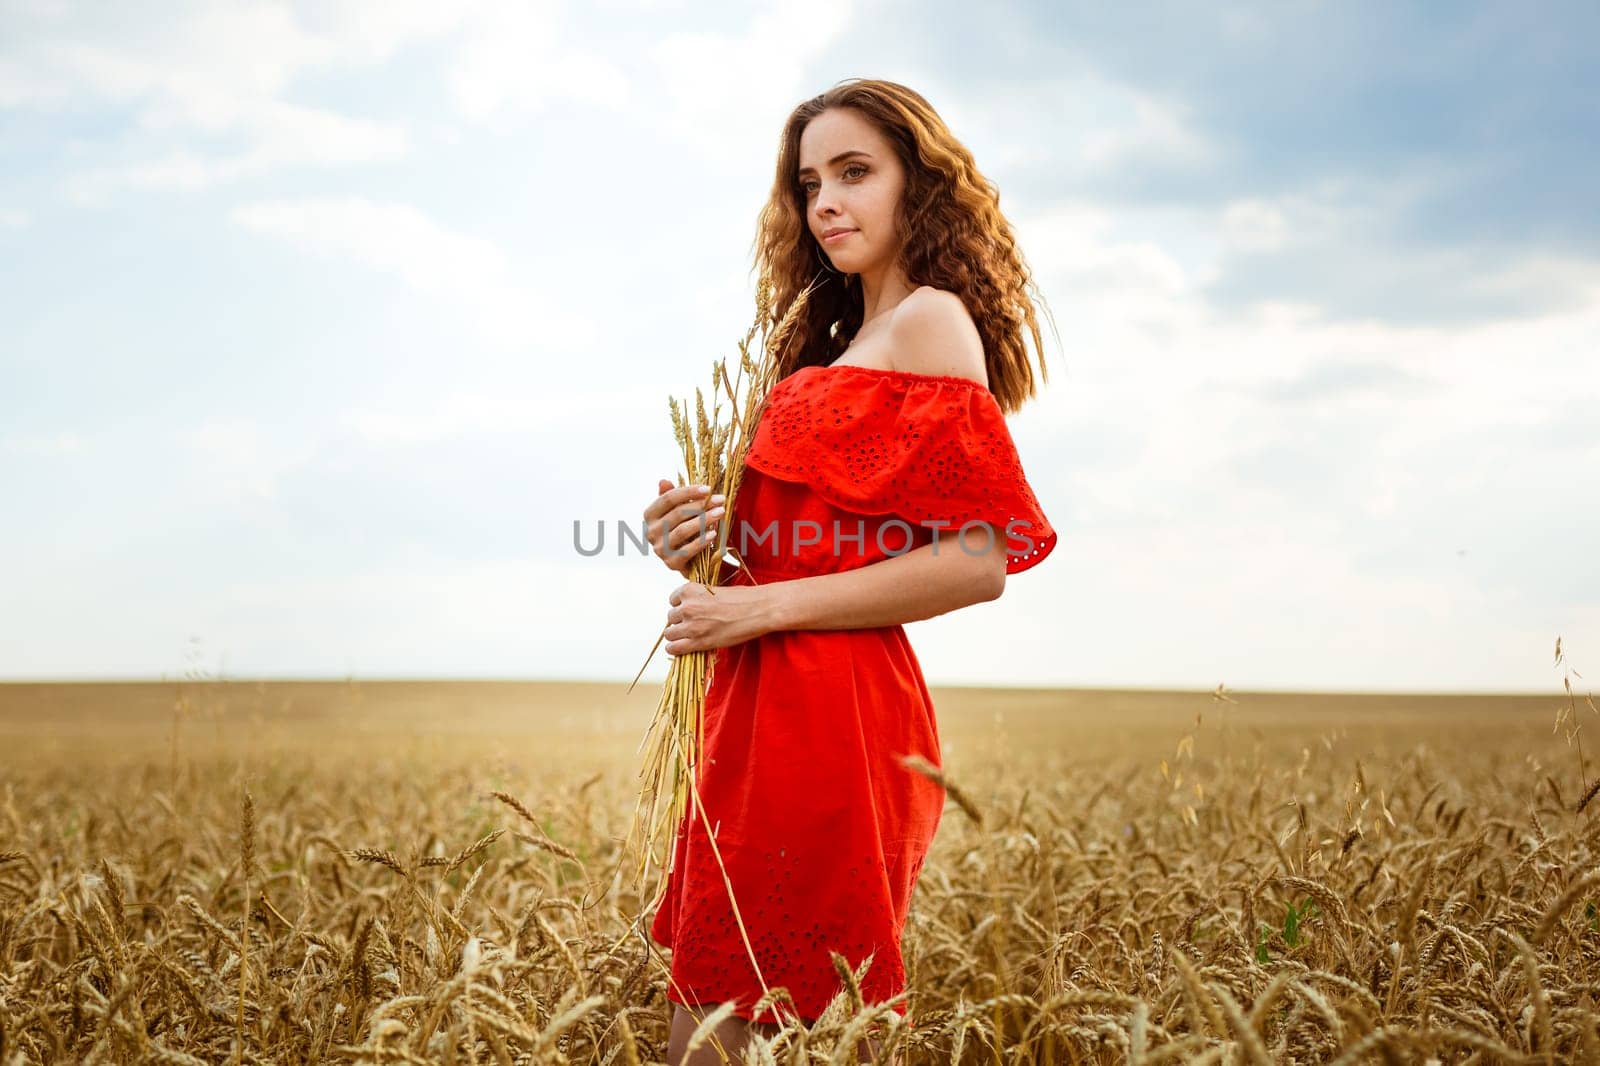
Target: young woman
{"points": [[881, 487]]}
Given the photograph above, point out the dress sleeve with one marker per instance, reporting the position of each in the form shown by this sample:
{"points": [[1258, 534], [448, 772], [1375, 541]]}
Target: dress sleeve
{"points": [[933, 450]]}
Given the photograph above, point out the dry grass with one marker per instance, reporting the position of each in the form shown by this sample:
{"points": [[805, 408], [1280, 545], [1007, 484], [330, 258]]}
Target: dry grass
{"points": [[433, 874]]}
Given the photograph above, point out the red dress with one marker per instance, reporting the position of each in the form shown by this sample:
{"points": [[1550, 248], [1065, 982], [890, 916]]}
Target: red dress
{"points": [[822, 831]]}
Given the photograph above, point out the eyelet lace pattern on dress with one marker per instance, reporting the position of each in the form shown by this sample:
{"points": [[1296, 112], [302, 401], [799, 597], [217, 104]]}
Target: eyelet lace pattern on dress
{"points": [[791, 940], [928, 448]]}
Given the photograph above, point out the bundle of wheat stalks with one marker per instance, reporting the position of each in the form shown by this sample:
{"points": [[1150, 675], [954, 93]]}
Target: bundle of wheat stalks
{"points": [[713, 447]]}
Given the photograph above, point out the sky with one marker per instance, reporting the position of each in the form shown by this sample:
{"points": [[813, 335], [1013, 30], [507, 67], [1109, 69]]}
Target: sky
{"points": [[321, 324]]}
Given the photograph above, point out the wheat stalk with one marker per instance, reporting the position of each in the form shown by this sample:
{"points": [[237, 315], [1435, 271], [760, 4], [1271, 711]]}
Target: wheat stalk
{"points": [[247, 856], [713, 454]]}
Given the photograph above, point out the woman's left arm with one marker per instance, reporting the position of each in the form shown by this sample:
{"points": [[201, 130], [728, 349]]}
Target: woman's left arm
{"points": [[934, 579], [921, 583]]}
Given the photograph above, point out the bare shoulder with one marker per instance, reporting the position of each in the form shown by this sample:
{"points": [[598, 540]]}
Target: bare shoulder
{"points": [[931, 332]]}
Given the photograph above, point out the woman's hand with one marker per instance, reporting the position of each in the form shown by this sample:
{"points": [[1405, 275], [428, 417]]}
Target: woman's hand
{"points": [[678, 525], [700, 621]]}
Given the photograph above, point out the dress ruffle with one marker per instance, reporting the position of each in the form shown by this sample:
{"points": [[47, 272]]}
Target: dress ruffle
{"points": [[934, 450]]}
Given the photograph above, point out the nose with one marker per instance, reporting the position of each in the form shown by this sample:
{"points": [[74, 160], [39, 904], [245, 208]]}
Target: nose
{"points": [[826, 204]]}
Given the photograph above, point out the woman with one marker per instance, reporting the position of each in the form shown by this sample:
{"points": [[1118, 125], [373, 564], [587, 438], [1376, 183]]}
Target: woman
{"points": [[881, 487]]}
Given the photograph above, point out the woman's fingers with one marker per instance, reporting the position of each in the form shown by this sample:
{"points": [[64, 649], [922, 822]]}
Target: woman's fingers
{"points": [[693, 528], [683, 521], [671, 498], [680, 556], [691, 509], [658, 521]]}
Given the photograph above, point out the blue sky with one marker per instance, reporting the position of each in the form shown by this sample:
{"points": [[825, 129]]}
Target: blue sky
{"points": [[321, 324]]}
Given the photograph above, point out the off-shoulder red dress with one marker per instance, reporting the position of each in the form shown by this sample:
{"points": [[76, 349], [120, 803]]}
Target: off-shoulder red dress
{"points": [[821, 829]]}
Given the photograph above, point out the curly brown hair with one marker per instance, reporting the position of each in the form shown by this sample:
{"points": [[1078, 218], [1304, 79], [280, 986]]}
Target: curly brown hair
{"points": [[951, 232]]}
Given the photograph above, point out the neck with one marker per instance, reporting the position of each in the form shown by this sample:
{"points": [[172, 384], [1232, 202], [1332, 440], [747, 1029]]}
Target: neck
{"points": [[881, 289]]}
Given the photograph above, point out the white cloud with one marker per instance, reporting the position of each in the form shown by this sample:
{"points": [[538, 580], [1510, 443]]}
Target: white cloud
{"points": [[244, 460], [470, 272], [44, 444], [1154, 129], [21, 87], [1246, 467], [202, 69], [1255, 225], [195, 77], [11, 218], [725, 91], [479, 413], [1095, 123], [373, 31], [521, 57], [283, 136]]}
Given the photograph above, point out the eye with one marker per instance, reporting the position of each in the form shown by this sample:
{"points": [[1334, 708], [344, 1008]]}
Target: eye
{"points": [[806, 185]]}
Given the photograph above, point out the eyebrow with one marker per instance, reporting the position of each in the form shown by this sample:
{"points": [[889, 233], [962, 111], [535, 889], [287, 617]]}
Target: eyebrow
{"points": [[836, 159]]}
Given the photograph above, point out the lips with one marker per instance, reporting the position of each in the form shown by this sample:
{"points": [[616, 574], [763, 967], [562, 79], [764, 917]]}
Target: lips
{"points": [[833, 235]]}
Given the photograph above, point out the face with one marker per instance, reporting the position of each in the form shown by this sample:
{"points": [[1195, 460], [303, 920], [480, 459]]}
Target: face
{"points": [[851, 179]]}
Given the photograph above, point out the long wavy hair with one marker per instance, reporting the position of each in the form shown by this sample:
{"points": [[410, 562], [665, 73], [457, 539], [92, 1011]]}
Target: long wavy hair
{"points": [[952, 236]]}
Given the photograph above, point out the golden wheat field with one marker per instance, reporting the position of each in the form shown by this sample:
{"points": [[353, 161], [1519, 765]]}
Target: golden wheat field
{"points": [[431, 874]]}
